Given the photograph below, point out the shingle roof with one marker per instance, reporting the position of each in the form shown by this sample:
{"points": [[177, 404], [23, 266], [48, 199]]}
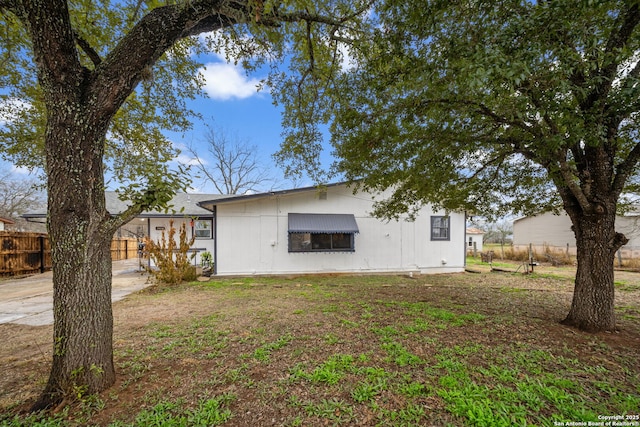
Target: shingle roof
{"points": [[471, 230], [183, 204]]}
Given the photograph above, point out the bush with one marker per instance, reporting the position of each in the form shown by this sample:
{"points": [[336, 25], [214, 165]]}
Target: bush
{"points": [[171, 258]]}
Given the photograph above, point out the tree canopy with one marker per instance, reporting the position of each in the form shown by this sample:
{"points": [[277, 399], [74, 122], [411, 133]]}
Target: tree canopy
{"points": [[491, 106], [104, 33]]}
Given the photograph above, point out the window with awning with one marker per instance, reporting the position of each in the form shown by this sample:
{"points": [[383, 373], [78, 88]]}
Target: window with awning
{"points": [[322, 232]]}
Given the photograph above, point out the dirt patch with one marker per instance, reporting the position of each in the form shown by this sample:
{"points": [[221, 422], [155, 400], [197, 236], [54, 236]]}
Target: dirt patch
{"points": [[266, 344]]}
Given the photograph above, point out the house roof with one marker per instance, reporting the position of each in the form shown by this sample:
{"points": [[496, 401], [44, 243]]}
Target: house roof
{"points": [[209, 204], [6, 221], [183, 204], [472, 230]]}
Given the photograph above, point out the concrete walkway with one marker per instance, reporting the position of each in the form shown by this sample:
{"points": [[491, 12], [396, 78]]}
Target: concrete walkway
{"points": [[29, 301]]}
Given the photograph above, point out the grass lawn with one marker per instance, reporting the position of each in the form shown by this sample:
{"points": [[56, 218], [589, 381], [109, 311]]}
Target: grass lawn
{"points": [[480, 349]]}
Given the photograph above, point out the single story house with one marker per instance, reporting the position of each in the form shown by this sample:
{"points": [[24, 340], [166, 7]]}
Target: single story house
{"points": [[184, 210], [552, 231], [325, 229], [5, 221], [474, 239], [329, 229]]}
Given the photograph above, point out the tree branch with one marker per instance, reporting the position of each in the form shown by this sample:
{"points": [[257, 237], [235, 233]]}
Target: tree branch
{"points": [[569, 180], [56, 57], [625, 169], [86, 47], [8, 5]]}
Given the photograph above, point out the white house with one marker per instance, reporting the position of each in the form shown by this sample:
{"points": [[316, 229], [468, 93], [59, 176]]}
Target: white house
{"points": [[474, 239], [554, 231], [330, 230]]}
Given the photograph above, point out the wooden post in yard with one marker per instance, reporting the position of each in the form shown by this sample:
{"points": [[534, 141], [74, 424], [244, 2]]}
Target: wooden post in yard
{"points": [[41, 243]]}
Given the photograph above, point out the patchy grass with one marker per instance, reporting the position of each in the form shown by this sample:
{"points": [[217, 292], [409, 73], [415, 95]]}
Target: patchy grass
{"points": [[461, 350]]}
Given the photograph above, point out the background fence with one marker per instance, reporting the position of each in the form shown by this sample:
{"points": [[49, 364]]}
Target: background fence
{"points": [[28, 253]]}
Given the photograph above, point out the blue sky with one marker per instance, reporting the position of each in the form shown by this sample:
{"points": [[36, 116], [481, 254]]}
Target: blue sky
{"points": [[236, 107]]}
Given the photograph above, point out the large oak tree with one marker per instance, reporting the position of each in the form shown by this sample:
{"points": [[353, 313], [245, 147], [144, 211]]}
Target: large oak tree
{"points": [[89, 86], [493, 107]]}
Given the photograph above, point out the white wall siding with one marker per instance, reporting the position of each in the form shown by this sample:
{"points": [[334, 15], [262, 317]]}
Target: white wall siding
{"points": [[547, 229], [253, 238], [554, 231]]}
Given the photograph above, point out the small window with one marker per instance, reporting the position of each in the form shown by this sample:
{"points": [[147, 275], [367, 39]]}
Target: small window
{"points": [[203, 229], [318, 242], [440, 228]]}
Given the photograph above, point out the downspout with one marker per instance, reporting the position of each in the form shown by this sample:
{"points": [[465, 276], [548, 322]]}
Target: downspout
{"points": [[215, 240], [464, 243], [149, 235]]}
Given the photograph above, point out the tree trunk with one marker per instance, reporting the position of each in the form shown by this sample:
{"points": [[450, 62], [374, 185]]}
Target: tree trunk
{"points": [[592, 308], [80, 250]]}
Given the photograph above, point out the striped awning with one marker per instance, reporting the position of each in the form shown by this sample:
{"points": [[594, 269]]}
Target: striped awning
{"points": [[322, 223]]}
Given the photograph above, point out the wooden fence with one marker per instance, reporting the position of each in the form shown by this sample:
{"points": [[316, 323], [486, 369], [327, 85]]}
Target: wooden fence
{"points": [[28, 253], [124, 248]]}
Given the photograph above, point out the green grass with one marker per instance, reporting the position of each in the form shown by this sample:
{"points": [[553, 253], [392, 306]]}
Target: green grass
{"points": [[352, 351]]}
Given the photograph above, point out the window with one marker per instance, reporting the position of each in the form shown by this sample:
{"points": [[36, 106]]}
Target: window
{"points": [[203, 228], [322, 232], [440, 227], [311, 242]]}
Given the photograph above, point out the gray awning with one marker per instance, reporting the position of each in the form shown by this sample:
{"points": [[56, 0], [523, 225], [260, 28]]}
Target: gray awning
{"points": [[322, 223]]}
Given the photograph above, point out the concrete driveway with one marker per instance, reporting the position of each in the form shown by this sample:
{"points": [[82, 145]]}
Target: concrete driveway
{"points": [[29, 300]]}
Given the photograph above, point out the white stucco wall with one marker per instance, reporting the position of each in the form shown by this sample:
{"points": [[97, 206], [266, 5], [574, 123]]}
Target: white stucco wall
{"points": [[252, 237]]}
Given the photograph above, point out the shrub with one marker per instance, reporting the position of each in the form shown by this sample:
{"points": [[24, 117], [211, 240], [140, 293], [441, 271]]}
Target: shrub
{"points": [[171, 257]]}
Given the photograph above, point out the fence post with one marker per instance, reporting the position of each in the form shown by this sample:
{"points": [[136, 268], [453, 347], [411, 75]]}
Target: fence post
{"points": [[41, 243]]}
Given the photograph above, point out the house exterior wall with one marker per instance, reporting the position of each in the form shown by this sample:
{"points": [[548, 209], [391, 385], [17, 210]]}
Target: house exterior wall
{"points": [[1, 226], [252, 238], [154, 227], [474, 241], [554, 231], [543, 230]]}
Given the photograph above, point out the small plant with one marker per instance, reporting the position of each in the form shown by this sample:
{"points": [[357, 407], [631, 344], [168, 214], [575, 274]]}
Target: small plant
{"points": [[171, 257], [206, 259]]}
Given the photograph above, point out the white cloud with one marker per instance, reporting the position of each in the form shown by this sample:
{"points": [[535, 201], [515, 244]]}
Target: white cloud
{"points": [[225, 81]]}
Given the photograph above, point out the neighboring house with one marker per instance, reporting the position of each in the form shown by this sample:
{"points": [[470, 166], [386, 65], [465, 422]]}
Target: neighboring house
{"points": [[184, 210], [329, 229], [4, 222], [474, 239], [554, 231]]}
